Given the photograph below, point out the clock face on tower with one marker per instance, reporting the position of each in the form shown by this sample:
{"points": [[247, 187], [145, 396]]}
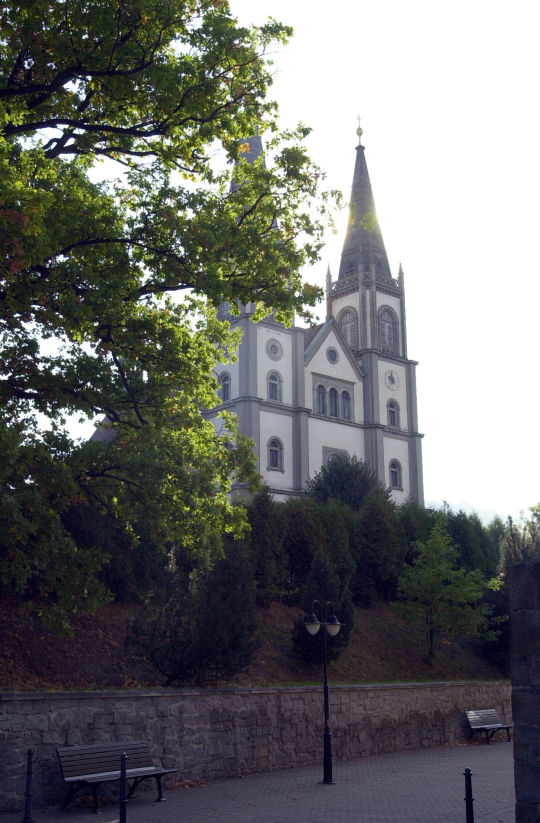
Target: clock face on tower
{"points": [[392, 380]]}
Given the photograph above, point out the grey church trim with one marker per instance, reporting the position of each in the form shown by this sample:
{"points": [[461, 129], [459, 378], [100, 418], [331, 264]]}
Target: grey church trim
{"points": [[247, 362], [301, 450]]}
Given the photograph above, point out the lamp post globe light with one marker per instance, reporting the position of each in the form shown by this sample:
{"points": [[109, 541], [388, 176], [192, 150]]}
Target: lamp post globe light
{"points": [[329, 622]]}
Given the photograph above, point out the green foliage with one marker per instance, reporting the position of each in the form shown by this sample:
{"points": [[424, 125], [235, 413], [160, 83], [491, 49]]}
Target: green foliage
{"points": [[378, 550], [323, 584], [415, 523], [436, 594], [495, 644], [110, 273], [334, 522], [39, 560], [203, 626], [520, 542], [475, 546], [266, 546], [346, 479], [304, 535], [133, 564]]}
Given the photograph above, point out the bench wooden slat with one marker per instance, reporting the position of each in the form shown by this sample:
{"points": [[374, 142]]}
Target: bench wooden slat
{"points": [[103, 777], [77, 760]]}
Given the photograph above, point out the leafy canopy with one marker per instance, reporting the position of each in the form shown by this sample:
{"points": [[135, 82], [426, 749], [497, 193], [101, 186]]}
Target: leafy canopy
{"points": [[439, 596], [109, 276], [347, 479]]}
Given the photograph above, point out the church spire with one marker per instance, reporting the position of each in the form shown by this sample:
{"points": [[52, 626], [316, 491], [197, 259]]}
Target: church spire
{"points": [[363, 248]]}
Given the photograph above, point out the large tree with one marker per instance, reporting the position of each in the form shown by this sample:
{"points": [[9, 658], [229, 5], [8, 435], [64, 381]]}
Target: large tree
{"points": [[111, 270]]}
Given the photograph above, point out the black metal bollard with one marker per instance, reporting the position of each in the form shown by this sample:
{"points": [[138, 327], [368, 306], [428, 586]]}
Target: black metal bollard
{"points": [[28, 794], [123, 801], [469, 811]]}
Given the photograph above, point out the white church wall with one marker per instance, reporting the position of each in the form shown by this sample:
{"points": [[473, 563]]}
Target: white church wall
{"points": [[389, 300], [400, 394], [327, 435], [280, 363], [397, 449], [273, 425], [342, 368]]}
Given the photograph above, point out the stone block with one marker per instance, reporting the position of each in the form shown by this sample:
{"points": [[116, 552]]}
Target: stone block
{"points": [[17, 724], [526, 705], [524, 581], [527, 743], [527, 813], [521, 669], [525, 631], [527, 780]]}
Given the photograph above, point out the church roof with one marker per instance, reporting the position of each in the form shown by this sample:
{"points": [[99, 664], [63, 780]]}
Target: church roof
{"points": [[255, 148], [311, 334], [363, 244], [315, 337]]}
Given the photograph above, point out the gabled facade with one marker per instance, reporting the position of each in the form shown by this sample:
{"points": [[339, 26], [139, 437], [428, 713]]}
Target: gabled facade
{"points": [[346, 386]]}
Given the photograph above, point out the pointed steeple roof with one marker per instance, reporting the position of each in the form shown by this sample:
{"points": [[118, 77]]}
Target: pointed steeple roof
{"points": [[363, 244]]}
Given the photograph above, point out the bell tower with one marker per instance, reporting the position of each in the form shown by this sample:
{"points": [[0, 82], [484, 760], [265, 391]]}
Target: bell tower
{"points": [[368, 304]]}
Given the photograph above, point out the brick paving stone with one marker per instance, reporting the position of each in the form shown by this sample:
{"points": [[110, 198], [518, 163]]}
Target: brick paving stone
{"points": [[420, 786]]}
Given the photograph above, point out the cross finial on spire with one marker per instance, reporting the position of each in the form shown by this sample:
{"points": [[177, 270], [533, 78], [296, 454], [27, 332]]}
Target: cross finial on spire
{"points": [[359, 132]]}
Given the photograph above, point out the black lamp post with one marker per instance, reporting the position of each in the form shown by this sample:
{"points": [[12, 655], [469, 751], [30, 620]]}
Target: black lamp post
{"points": [[328, 621]]}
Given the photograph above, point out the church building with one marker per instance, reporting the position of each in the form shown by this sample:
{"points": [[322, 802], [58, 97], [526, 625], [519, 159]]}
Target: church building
{"points": [[345, 386]]}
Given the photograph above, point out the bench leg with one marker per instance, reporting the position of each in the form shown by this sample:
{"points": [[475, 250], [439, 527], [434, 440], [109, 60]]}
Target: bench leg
{"points": [[160, 798], [133, 787]]}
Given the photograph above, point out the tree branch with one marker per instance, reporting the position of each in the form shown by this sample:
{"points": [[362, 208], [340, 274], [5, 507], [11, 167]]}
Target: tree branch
{"points": [[128, 388]]}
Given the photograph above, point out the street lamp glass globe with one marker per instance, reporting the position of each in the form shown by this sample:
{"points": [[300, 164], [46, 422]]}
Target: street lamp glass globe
{"points": [[312, 624], [333, 625]]}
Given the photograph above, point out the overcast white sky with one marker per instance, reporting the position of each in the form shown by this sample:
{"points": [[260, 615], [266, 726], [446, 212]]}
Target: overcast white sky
{"points": [[449, 97]]}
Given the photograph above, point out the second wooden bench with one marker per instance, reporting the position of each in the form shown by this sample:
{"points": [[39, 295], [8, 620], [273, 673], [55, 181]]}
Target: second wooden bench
{"points": [[487, 721]]}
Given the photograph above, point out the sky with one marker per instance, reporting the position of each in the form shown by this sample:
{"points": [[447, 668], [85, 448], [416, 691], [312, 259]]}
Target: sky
{"points": [[448, 98]]}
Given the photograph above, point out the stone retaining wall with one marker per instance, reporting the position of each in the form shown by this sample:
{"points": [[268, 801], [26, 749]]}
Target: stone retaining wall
{"points": [[230, 732]]}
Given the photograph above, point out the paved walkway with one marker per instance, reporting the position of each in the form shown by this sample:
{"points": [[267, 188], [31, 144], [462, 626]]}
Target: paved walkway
{"points": [[421, 786]]}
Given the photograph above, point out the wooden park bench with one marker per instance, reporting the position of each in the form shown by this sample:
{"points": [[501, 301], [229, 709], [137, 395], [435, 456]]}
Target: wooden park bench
{"points": [[487, 721], [92, 765]]}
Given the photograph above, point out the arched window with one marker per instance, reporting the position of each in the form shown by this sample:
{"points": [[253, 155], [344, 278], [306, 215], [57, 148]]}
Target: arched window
{"points": [[333, 403], [321, 400], [274, 386], [395, 474], [225, 387], [393, 414], [275, 454], [345, 405], [348, 325], [388, 338]]}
